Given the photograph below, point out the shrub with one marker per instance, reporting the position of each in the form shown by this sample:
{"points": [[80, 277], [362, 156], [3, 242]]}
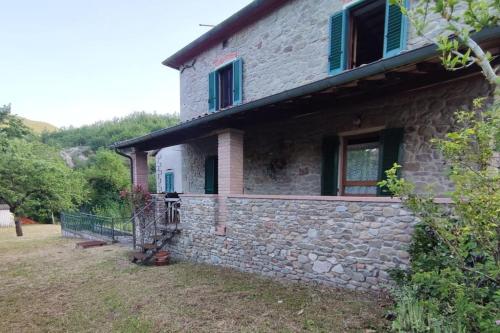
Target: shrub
{"points": [[452, 283]]}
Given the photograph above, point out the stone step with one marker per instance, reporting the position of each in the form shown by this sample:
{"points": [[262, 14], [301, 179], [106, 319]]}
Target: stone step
{"points": [[88, 244]]}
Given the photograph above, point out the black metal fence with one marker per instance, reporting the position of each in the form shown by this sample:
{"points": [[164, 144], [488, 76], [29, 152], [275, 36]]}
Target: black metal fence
{"points": [[100, 225]]}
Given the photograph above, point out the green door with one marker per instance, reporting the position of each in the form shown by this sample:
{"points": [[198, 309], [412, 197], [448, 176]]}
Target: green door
{"points": [[211, 175], [169, 182]]}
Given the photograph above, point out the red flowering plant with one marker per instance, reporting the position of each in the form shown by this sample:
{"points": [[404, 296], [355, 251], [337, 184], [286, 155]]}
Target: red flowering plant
{"points": [[138, 198]]}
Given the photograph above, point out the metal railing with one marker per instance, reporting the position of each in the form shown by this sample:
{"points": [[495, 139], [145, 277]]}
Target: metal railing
{"points": [[100, 225], [158, 218]]}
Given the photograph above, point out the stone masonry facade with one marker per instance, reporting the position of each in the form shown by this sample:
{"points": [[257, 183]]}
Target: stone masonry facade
{"points": [[285, 158], [341, 243], [285, 50]]}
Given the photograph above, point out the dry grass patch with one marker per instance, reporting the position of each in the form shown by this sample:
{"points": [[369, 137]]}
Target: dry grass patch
{"points": [[49, 285]]}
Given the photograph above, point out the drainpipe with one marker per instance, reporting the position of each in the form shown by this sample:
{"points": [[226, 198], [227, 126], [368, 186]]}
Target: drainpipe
{"points": [[119, 152]]}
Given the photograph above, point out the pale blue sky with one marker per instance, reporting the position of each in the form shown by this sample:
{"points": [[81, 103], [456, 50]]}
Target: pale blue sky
{"points": [[73, 62]]}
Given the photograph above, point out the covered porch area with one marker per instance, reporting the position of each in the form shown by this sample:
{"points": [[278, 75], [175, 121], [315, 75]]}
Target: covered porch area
{"points": [[286, 186]]}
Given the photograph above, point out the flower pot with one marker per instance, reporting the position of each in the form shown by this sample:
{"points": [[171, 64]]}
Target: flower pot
{"points": [[162, 258]]}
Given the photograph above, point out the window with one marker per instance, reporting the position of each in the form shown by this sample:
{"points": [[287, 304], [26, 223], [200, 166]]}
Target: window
{"points": [[364, 160], [365, 32], [225, 78], [169, 182], [361, 157], [225, 86]]}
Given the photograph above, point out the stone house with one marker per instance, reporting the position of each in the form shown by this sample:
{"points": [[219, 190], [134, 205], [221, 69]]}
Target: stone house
{"points": [[291, 111]]}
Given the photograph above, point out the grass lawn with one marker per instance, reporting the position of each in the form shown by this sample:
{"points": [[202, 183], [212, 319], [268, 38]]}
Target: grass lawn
{"points": [[47, 285]]}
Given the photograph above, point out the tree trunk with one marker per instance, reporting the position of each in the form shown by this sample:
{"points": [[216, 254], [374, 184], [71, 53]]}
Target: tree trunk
{"points": [[19, 229]]}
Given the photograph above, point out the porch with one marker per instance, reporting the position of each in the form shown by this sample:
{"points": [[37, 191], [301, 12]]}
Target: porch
{"points": [[287, 187]]}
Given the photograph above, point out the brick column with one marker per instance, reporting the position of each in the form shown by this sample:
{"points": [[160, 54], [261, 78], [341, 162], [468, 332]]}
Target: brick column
{"points": [[230, 154], [140, 168], [230, 170]]}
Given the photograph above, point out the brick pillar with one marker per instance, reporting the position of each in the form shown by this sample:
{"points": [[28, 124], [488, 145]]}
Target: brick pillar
{"points": [[230, 149], [140, 168], [230, 170]]}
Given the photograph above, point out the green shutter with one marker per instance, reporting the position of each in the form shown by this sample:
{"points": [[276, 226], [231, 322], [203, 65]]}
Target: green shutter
{"points": [[390, 153], [395, 30], [237, 82], [330, 166], [212, 91], [211, 175], [337, 42], [169, 182]]}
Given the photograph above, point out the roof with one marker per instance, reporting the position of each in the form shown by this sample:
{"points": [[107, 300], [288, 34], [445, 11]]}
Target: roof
{"points": [[362, 76], [243, 18]]}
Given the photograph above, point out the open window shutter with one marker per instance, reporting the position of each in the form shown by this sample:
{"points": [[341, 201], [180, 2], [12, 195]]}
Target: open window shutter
{"points": [[211, 175], [212, 91], [395, 30], [330, 166], [337, 42], [390, 153], [237, 81]]}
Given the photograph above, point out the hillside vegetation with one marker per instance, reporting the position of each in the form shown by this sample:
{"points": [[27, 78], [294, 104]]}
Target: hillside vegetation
{"points": [[105, 133], [70, 168], [38, 127]]}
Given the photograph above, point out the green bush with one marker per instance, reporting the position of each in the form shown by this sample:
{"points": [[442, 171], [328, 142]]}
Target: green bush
{"points": [[452, 283]]}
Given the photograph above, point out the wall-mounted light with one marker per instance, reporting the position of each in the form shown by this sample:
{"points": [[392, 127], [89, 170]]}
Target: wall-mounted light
{"points": [[357, 121]]}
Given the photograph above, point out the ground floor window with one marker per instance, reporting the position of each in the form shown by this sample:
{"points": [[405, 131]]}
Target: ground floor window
{"points": [[361, 157], [353, 165]]}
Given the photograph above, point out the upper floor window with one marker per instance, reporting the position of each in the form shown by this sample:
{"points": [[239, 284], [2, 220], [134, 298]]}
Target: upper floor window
{"points": [[225, 78], [365, 32], [225, 86]]}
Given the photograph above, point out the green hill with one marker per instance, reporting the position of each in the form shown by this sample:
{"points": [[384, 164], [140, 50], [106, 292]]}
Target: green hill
{"points": [[38, 126], [104, 133]]}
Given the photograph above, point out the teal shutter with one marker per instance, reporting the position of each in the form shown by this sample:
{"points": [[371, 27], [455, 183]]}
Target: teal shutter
{"points": [[237, 82], [212, 91], [330, 166], [169, 182], [337, 42], [390, 152], [211, 175], [395, 30]]}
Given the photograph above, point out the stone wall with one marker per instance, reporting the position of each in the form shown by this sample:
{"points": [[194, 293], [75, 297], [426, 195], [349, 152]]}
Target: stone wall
{"points": [[285, 50], [194, 154], [341, 243], [285, 157]]}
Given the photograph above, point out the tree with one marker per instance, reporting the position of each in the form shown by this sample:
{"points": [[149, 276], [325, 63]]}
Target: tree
{"points": [[10, 126], [34, 180], [106, 176], [455, 20]]}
